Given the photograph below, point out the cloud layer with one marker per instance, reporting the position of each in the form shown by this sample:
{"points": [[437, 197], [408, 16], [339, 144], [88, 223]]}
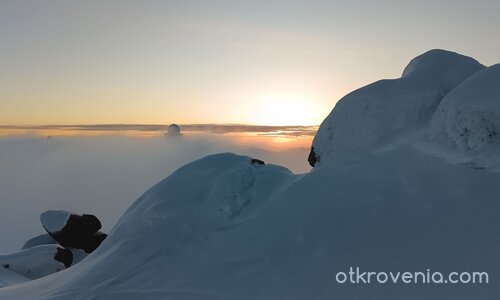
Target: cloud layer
{"points": [[101, 175]]}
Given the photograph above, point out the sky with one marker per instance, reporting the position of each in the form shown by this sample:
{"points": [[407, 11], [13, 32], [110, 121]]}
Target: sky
{"points": [[241, 62]]}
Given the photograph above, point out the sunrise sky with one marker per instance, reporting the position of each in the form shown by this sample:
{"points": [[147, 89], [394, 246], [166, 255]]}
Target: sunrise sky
{"points": [[245, 62]]}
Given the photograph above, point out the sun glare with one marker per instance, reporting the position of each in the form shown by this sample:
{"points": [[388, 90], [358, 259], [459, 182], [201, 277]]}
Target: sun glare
{"points": [[283, 109]]}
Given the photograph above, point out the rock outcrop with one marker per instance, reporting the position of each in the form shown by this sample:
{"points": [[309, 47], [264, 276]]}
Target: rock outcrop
{"points": [[73, 230]]}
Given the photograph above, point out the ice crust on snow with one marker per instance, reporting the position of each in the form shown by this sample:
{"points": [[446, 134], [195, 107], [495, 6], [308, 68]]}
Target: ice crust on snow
{"points": [[376, 113]]}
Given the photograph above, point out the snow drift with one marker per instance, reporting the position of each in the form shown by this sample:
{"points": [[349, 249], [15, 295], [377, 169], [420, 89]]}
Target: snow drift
{"points": [[230, 227]]}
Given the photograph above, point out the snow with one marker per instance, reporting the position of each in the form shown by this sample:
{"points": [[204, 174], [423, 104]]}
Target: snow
{"points": [[468, 118], [377, 113], [54, 220], [78, 255], [223, 227], [34, 262], [42, 239], [7, 277]]}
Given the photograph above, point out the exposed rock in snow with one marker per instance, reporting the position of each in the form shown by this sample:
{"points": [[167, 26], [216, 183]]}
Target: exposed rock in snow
{"points": [[468, 118], [90, 243], [387, 108], [257, 161], [42, 239], [312, 158], [72, 230], [38, 261]]}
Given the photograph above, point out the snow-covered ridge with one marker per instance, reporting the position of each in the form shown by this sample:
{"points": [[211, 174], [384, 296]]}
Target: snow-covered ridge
{"points": [[376, 113]]}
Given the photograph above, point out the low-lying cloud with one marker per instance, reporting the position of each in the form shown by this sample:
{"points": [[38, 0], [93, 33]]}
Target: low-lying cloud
{"points": [[101, 175]]}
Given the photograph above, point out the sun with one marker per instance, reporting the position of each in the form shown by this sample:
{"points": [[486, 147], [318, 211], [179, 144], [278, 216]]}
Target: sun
{"points": [[285, 109]]}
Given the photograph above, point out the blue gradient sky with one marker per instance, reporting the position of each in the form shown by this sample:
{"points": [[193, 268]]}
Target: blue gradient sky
{"points": [[254, 62]]}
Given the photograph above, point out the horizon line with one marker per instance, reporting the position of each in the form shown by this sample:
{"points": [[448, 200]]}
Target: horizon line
{"points": [[294, 130]]}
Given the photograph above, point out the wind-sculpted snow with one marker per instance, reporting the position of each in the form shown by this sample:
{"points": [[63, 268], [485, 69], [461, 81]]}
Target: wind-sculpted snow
{"points": [[224, 228], [213, 194], [376, 113], [468, 118]]}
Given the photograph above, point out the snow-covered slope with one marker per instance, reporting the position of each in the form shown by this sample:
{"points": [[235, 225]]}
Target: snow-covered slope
{"points": [[468, 118], [8, 277], [387, 108], [222, 228], [229, 227]]}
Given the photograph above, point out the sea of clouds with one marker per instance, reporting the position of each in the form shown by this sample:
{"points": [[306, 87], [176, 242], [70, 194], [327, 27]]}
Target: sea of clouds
{"points": [[101, 174]]}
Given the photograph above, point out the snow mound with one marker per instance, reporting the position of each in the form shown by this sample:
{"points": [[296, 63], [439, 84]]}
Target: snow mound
{"points": [[38, 261], [468, 118], [42, 239], [213, 194], [452, 67], [387, 108]]}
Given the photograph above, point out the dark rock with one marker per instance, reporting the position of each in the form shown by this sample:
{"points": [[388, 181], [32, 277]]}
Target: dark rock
{"points": [[312, 158], [79, 232], [257, 161], [65, 256], [95, 241]]}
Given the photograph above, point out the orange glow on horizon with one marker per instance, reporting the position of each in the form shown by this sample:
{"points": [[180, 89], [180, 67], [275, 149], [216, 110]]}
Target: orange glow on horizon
{"points": [[271, 141]]}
